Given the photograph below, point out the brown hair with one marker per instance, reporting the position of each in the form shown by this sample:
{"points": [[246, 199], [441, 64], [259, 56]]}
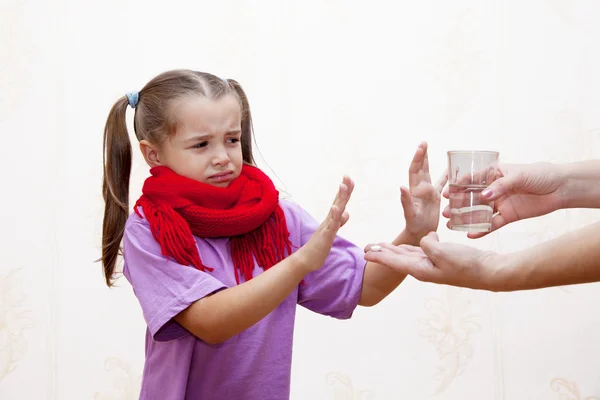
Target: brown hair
{"points": [[152, 121]]}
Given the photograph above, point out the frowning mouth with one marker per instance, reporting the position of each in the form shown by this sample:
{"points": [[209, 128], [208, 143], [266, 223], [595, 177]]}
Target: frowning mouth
{"points": [[222, 176]]}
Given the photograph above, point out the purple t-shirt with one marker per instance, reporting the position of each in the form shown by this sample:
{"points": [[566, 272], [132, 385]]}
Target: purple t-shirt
{"points": [[253, 365]]}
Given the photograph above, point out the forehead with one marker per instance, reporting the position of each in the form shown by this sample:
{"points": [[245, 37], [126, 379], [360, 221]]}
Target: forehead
{"points": [[200, 114]]}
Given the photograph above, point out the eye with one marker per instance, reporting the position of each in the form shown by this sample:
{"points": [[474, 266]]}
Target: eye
{"points": [[233, 140], [200, 145]]}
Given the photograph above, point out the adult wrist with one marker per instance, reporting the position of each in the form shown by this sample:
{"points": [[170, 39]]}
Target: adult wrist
{"points": [[580, 186], [503, 272]]}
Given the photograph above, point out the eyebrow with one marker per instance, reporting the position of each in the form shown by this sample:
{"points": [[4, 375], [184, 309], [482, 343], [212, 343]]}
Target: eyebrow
{"points": [[208, 136], [198, 138]]}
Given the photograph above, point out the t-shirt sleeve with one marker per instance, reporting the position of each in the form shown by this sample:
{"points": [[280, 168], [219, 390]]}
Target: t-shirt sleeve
{"points": [[163, 287], [334, 289]]}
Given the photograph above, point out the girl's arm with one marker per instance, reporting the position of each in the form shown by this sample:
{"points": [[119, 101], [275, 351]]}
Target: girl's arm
{"points": [[379, 281], [220, 316], [224, 314], [421, 204]]}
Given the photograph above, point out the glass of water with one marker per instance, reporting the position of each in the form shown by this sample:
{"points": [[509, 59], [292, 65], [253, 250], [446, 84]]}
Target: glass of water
{"points": [[469, 173]]}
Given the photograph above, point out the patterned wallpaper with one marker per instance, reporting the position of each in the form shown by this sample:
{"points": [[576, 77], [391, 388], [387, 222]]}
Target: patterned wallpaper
{"points": [[351, 87]]}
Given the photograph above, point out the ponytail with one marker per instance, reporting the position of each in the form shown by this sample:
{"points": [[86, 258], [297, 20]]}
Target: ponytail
{"points": [[115, 186]]}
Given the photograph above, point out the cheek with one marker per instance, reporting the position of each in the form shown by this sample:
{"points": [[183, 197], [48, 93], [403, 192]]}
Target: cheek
{"points": [[189, 165], [236, 157]]}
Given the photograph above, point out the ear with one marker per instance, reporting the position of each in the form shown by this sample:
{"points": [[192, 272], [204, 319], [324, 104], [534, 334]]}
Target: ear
{"points": [[150, 153]]}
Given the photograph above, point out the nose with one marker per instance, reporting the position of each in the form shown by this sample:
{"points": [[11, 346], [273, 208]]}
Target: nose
{"points": [[221, 158]]}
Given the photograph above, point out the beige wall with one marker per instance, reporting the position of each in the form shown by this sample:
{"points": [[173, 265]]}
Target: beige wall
{"points": [[368, 81]]}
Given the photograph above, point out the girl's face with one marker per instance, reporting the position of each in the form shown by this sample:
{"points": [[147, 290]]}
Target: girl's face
{"points": [[206, 145]]}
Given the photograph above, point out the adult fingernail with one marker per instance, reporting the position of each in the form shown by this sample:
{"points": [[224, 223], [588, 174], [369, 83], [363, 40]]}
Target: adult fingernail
{"points": [[486, 193], [376, 247]]}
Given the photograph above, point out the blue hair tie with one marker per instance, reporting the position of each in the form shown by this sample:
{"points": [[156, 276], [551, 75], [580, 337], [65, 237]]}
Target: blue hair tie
{"points": [[133, 98]]}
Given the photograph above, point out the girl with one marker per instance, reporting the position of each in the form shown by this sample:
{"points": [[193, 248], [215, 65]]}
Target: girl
{"points": [[217, 261]]}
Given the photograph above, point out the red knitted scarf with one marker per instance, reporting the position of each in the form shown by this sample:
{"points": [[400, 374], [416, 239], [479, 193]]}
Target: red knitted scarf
{"points": [[247, 211]]}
